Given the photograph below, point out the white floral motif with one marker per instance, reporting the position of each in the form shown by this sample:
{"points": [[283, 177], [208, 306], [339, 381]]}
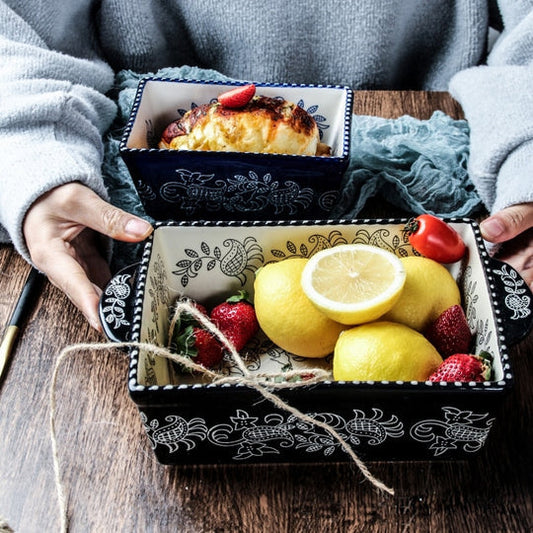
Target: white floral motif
{"points": [[249, 437], [178, 432], [457, 429], [116, 294], [252, 438], [374, 430], [194, 191], [515, 300]]}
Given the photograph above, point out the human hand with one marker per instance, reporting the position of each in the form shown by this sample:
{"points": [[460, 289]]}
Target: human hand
{"points": [[513, 226], [61, 231]]}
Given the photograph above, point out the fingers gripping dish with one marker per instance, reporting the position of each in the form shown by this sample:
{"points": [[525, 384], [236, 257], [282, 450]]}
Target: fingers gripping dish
{"points": [[257, 124]]}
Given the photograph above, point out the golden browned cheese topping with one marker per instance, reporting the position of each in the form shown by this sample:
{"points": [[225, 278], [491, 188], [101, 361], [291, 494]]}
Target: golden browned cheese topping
{"points": [[264, 125], [184, 125]]}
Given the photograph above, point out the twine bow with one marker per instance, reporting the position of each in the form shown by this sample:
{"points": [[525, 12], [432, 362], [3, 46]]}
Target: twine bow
{"points": [[265, 383]]}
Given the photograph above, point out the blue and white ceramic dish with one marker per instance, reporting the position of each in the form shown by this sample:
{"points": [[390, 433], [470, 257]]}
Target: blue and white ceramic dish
{"points": [[209, 185], [190, 421]]}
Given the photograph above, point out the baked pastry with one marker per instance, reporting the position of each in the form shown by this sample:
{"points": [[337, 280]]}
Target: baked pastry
{"points": [[263, 125]]}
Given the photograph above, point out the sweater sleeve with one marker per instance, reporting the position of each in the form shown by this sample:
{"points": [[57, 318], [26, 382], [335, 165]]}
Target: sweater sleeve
{"points": [[497, 99], [53, 113]]}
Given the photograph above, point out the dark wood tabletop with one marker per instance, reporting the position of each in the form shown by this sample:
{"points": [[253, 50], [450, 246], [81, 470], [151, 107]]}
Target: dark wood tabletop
{"points": [[114, 483]]}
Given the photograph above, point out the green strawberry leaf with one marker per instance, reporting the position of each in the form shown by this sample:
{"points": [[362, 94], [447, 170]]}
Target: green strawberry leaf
{"points": [[241, 296]]}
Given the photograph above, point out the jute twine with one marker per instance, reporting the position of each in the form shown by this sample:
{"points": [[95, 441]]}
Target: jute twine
{"points": [[265, 383]]}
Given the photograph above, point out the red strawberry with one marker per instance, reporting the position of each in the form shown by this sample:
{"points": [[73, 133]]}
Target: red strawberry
{"points": [[200, 345], [450, 333], [237, 97], [186, 318], [200, 307], [464, 367], [236, 319]]}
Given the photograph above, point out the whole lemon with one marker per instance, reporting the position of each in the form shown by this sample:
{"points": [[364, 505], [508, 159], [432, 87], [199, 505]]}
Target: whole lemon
{"points": [[384, 351], [429, 290], [287, 316]]}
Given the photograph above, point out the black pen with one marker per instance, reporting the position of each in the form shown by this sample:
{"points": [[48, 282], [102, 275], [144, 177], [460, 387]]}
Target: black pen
{"points": [[27, 298]]}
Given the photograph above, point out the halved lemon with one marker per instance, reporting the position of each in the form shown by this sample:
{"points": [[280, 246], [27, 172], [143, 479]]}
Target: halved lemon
{"points": [[353, 283]]}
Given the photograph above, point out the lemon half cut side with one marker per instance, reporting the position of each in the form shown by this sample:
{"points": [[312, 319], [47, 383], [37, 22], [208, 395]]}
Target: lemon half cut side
{"points": [[353, 283]]}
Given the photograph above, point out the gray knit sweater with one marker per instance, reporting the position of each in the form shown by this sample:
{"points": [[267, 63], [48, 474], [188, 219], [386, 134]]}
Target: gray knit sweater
{"points": [[59, 59]]}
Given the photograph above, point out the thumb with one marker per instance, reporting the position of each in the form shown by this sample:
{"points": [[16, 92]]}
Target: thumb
{"points": [[506, 224], [109, 220]]}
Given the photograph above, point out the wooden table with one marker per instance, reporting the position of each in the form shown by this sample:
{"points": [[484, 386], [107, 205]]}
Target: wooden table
{"points": [[114, 483]]}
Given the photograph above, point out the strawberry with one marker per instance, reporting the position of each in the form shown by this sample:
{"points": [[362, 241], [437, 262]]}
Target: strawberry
{"points": [[464, 367], [185, 318], [200, 345], [236, 319], [450, 333], [238, 97], [199, 307], [188, 319]]}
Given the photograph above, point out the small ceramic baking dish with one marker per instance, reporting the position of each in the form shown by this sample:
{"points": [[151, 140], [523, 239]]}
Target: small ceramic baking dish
{"points": [[190, 421], [211, 185]]}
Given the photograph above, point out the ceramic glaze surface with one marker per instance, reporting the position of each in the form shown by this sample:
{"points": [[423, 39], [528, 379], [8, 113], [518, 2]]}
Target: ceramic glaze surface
{"points": [[381, 420], [190, 185]]}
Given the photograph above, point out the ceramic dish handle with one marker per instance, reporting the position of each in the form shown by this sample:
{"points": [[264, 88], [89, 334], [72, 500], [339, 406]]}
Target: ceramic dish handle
{"points": [[116, 304], [515, 301]]}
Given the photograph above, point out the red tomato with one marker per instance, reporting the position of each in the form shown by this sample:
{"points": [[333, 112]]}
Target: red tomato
{"points": [[435, 239]]}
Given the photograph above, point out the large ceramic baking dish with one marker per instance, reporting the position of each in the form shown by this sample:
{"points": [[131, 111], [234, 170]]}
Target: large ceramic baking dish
{"points": [[190, 421]]}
